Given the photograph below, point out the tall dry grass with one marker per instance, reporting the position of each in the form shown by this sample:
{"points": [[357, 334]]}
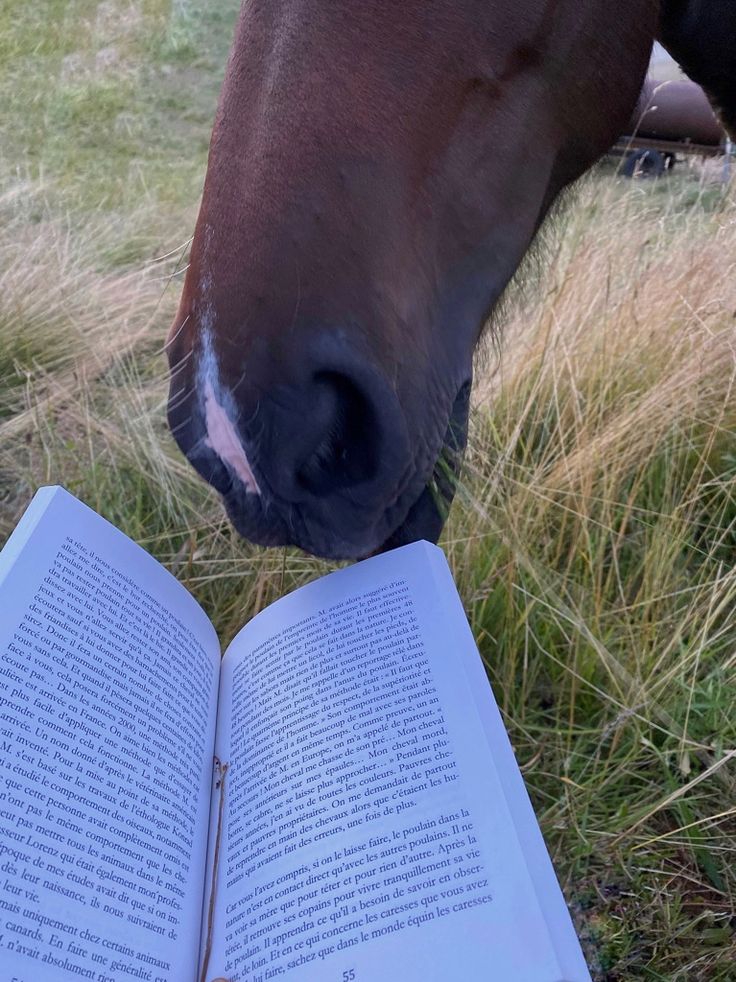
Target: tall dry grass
{"points": [[597, 553]]}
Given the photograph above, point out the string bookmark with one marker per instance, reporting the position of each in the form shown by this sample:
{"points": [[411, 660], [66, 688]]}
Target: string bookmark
{"points": [[221, 771]]}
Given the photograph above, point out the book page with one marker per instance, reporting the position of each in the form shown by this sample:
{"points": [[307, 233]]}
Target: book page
{"points": [[108, 687], [371, 830]]}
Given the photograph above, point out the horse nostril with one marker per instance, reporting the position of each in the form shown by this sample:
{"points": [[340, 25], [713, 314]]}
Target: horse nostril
{"points": [[346, 451]]}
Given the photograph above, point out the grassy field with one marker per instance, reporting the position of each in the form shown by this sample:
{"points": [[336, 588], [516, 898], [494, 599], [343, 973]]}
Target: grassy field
{"points": [[594, 537]]}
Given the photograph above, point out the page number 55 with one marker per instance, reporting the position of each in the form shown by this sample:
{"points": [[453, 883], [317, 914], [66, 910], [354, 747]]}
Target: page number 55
{"points": [[349, 975]]}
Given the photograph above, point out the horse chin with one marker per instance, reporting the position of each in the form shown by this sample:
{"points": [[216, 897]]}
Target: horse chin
{"points": [[425, 520]]}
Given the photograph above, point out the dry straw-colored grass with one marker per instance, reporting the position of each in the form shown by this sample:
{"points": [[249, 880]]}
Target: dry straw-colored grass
{"points": [[60, 316], [597, 553], [634, 332]]}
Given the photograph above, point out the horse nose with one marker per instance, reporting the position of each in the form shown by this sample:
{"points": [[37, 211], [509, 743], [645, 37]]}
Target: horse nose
{"points": [[338, 434]]}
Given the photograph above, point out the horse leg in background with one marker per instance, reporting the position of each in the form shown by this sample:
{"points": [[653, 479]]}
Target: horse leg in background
{"points": [[701, 36]]}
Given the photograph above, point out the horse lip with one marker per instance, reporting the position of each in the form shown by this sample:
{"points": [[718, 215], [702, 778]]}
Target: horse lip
{"points": [[423, 518], [426, 517]]}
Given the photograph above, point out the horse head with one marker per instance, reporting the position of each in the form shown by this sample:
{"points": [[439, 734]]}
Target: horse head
{"points": [[376, 173]]}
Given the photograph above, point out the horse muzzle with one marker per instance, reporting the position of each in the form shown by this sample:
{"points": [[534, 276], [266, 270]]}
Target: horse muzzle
{"points": [[312, 449]]}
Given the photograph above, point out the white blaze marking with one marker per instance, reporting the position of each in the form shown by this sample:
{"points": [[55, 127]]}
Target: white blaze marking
{"points": [[223, 439]]}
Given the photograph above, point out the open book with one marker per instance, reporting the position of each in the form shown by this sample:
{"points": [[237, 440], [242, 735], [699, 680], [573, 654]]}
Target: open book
{"points": [[335, 799]]}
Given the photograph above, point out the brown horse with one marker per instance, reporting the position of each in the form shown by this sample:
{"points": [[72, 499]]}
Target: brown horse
{"points": [[377, 171]]}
